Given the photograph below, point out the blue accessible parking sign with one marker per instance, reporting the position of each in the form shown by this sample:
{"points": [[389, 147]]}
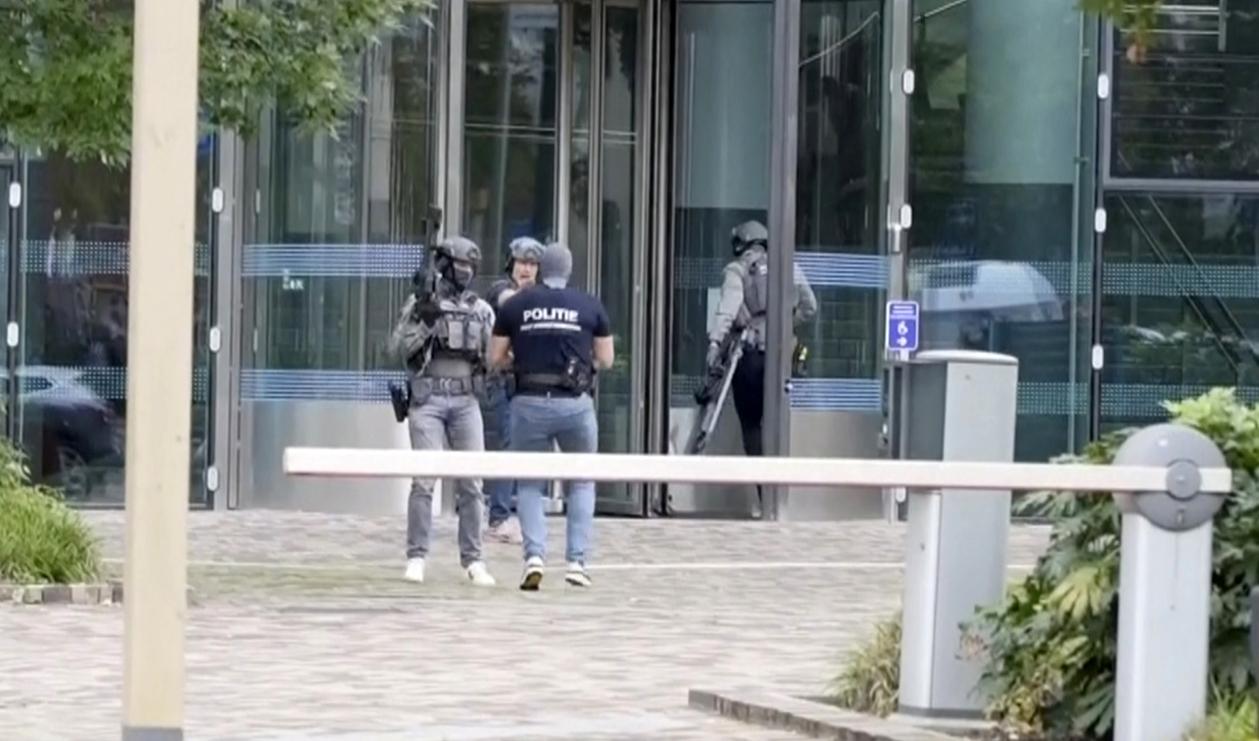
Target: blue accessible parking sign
{"points": [[902, 326]]}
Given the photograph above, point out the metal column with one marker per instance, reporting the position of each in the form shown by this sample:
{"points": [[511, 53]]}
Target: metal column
{"points": [[782, 239]]}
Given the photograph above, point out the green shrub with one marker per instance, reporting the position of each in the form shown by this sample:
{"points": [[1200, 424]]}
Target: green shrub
{"points": [[1051, 644], [41, 539], [870, 679], [1231, 719]]}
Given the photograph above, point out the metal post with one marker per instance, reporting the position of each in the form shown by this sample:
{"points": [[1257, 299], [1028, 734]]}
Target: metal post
{"points": [[784, 129], [955, 555], [1165, 587], [159, 378]]}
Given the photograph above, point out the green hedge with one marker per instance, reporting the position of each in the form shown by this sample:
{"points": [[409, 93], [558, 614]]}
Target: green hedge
{"points": [[41, 539]]}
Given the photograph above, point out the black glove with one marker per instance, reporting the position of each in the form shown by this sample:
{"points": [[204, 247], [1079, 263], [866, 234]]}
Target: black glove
{"points": [[714, 355], [427, 311]]}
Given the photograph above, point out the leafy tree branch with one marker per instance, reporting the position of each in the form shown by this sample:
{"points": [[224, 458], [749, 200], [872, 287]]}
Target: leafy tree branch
{"points": [[1135, 17], [65, 67]]}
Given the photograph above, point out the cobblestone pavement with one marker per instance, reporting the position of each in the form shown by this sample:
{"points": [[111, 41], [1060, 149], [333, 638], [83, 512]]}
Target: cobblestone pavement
{"points": [[301, 629]]}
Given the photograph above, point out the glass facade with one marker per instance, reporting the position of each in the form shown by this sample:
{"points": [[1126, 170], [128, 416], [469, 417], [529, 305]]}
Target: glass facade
{"points": [[1178, 311], [65, 284], [1000, 252], [1106, 240], [840, 242], [1187, 108], [339, 227]]}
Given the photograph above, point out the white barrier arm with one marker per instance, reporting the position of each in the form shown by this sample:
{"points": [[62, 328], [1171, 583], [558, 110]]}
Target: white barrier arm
{"points": [[358, 463]]}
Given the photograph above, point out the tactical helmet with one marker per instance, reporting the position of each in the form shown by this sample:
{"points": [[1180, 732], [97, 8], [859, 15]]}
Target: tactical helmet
{"points": [[748, 235], [453, 250], [525, 249]]}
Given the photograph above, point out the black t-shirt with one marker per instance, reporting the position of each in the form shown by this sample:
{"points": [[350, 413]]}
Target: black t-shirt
{"points": [[494, 296], [548, 326]]}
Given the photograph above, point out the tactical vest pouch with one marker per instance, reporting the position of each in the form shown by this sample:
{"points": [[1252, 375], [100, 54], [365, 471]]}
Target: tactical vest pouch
{"points": [[461, 333]]}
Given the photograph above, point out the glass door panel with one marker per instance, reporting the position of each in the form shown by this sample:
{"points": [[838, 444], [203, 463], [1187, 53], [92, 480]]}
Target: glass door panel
{"points": [[836, 404], [722, 88], [340, 226], [511, 115], [72, 311]]}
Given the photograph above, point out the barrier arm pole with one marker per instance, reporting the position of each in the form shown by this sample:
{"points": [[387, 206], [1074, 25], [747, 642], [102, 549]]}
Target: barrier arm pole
{"points": [[820, 472], [159, 366]]}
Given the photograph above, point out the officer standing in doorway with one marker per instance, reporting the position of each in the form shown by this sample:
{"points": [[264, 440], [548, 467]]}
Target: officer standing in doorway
{"points": [[743, 305], [524, 253], [556, 338], [443, 337]]}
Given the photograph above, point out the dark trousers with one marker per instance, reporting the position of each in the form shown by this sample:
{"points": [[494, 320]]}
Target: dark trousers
{"points": [[748, 387]]}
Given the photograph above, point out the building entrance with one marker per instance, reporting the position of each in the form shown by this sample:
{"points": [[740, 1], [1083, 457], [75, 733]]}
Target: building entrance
{"points": [[545, 141]]}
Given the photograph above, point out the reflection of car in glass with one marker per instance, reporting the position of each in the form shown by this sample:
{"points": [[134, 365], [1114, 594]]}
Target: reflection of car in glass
{"points": [[72, 435], [962, 301]]}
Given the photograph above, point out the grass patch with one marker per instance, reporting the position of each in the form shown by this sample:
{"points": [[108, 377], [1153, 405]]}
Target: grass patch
{"points": [[870, 679]]}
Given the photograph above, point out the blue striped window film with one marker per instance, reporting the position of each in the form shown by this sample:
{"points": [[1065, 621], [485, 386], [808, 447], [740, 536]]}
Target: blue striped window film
{"points": [[824, 270]]}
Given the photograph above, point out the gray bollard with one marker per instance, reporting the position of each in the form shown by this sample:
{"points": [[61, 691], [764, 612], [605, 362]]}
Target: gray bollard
{"points": [[1165, 587], [955, 558]]}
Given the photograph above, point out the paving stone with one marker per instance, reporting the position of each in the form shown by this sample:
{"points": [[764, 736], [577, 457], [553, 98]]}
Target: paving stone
{"points": [[56, 594], [303, 629]]}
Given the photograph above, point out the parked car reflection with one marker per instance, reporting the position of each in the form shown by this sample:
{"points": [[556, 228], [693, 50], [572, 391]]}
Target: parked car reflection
{"points": [[72, 434]]}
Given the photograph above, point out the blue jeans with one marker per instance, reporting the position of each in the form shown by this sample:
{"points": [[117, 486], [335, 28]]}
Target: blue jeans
{"points": [[537, 423], [501, 493]]}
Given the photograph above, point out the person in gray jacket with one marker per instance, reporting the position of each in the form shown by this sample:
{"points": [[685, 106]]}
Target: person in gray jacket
{"points": [[743, 305], [443, 336]]}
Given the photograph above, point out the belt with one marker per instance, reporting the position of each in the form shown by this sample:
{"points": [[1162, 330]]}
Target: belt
{"points": [[544, 384], [443, 386]]}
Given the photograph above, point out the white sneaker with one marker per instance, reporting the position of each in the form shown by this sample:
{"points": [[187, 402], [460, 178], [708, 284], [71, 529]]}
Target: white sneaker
{"points": [[415, 570], [576, 575], [532, 578], [507, 531], [479, 574]]}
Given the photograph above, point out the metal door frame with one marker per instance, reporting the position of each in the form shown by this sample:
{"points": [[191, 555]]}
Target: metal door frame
{"points": [[11, 172]]}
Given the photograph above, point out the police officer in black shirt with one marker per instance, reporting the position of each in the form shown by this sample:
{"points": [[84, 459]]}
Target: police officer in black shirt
{"points": [[555, 338]]}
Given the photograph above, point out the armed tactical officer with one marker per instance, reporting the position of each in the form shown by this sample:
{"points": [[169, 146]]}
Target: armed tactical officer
{"points": [[743, 305], [524, 253], [443, 336], [559, 336]]}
